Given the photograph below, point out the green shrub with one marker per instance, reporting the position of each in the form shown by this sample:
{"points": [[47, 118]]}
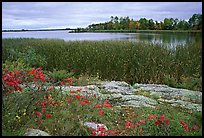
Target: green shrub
{"points": [[14, 66], [170, 81], [30, 56], [59, 75]]}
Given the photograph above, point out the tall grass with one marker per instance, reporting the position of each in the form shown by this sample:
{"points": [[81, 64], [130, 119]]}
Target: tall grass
{"points": [[112, 60]]}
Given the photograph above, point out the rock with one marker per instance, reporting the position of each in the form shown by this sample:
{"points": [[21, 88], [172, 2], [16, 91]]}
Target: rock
{"points": [[96, 126], [139, 101], [121, 93], [167, 92], [115, 87], [177, 97], [88, 90], [35, 132], [137, 104], [183, 104]]}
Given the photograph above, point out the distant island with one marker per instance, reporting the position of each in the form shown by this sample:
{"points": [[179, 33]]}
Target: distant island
{"points": [[22, 30]]}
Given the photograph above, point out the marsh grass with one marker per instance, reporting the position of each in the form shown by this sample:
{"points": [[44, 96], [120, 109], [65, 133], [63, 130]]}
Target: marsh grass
{"points": [[113, 60]]}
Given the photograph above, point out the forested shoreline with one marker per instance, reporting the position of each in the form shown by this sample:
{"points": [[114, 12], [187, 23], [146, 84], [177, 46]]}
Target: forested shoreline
{"points": [[125, 23]]}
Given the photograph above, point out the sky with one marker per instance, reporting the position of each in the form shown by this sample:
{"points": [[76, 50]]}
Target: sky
{"points": [[45, 15]]}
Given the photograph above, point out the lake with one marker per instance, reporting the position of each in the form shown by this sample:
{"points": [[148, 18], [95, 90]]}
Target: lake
{"points": [[166, 39]]}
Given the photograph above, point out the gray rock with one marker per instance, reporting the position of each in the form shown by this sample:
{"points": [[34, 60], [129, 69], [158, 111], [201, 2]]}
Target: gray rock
{"points": [[35, 132], [184, 104], [171, 93], [137, 104], [122, 93], [94, 125], [88, 90], [138, 100], [115, 87]]}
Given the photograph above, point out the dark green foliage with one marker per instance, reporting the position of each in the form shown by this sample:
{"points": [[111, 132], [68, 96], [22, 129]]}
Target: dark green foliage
{"points": [[125, 23]]}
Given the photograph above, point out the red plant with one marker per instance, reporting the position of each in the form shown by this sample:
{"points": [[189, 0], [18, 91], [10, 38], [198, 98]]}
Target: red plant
{"points": [[43, 110], [62, 83], [142, 121], [140, 131], [73, 91], [69, 81], [48, 115], [101, 131], [11, 79], [129, 124], [41, 122], [43, 103], [106, 101], [78, 97], [158, 122], [183, 123], [106, 105], [185, 126], [38, 114], [101, 112], [56, 103], [93, 133], [79, 89], [82, 103], [161, 120], [37, 73], [152, 116], [87, 101], [167, 121], [111, 132], [69, 100], [97, 106], [138, 124], [195, 127]]}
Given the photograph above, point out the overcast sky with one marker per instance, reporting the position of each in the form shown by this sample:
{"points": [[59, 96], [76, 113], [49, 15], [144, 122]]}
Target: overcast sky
{"points": [[39, 15]]}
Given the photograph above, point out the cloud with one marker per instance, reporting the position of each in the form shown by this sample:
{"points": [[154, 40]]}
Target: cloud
{"points": [[20, 15]]}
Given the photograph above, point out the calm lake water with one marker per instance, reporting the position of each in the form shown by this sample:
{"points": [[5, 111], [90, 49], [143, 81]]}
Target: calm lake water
{"points": [[166, 39]]}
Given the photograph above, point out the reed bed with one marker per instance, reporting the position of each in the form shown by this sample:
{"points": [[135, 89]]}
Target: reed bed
{"points": [[112, 60]]}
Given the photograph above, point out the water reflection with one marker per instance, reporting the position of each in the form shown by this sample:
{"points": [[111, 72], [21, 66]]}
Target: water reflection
{"points": [[167, 39], [171, 40]]}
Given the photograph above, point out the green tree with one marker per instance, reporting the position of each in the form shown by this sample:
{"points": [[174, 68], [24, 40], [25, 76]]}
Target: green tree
{"points": [[143, 23], [175, 23], [151, 24], [195, 21], [116, 24], [168, 23], [183, 25]]}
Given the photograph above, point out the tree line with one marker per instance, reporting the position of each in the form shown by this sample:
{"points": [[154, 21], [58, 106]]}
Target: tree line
{"points": [[125, 23]]}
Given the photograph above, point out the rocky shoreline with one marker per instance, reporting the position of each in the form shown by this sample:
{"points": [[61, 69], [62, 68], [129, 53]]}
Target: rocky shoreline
{"points": [[120, 93]]}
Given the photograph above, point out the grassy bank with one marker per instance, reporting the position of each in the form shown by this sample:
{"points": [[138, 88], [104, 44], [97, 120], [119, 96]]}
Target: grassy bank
{"points": [[112, 60]]}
